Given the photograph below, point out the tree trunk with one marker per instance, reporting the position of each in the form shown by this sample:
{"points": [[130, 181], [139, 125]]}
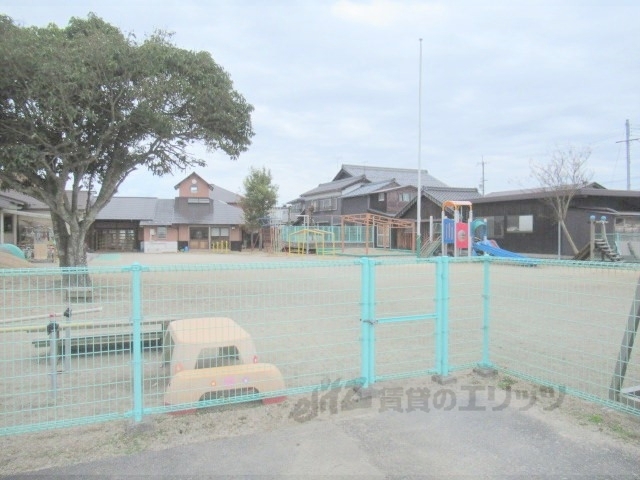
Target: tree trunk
{"points": [[568, 235], [70, 242], [254, 240]]}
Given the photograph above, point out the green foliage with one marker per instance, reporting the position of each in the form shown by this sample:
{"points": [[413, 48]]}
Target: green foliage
{"points": [[595, 418], [84, 106], [506, 383], [260, 197]]}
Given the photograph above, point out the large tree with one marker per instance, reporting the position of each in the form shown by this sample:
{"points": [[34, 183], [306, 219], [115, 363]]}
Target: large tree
{"points": [[260, 196], [82, 107], [561, 177]]}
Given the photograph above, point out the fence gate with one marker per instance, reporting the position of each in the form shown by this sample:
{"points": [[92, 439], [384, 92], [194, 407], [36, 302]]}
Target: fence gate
{"points": [[404, 345]]}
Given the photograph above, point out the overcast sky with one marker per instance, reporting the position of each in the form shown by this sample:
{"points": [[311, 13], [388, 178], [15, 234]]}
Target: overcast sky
{"points": [[337, 82]]}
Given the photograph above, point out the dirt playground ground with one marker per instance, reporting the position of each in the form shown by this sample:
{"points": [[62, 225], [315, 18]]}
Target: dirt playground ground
{"points": [[34, 451]]}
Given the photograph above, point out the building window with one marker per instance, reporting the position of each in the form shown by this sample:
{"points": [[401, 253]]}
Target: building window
{"points": [[405, 197], [519, 223], [198, 233], [495, 227], [326, 204], [219, 233], [194, 188], [381, 197], [162, 233]]}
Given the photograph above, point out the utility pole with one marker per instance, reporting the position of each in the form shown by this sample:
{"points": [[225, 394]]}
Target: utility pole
{"points": [[419, 198], [628, 141], [483, 180]]}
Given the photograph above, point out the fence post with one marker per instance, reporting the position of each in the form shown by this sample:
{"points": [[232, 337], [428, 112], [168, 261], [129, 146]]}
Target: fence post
{"points": [[442, 320], [53, 330], [136, 339], [67, 340], [486, 301], [367, 321]]}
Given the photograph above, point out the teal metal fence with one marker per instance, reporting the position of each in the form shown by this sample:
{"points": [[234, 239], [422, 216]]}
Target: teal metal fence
{"points": [[90, 345], [627, 245], [349, 234]]}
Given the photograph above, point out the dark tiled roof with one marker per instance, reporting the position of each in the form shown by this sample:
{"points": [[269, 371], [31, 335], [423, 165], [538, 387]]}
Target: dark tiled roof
{"points": [[224, 195], [14, 199], [8, 199], [212, 213], [224, 214], [155, 211], [371, 188], [441, 195], [592, 190], [128, 208], [335, 186], [193, 213], [163, 214], [5, 203], [403, 176]]}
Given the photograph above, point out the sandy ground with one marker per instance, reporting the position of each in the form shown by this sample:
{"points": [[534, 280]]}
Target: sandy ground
{"points": [[8, 260], [35, 451]]}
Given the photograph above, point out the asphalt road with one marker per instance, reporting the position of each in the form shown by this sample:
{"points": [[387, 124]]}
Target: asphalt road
{"points": [[490, 441]]}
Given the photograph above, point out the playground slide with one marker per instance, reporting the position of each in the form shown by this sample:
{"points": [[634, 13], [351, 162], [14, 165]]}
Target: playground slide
{"points": [[482, 247], [11, 249]]}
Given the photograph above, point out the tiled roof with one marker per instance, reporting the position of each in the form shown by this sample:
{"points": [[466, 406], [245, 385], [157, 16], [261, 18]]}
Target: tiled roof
{"points": [[441, 195], [128, 208], [370, 188], [193, 213], [335, 186], [592, 190], [180, 211], [403, 176], [163, 213], [224, 214], [155, 211], [14, 199], [5, 203], [224, 195]]}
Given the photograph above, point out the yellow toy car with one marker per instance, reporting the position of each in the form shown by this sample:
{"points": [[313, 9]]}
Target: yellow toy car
{"points": [[213, 357]]}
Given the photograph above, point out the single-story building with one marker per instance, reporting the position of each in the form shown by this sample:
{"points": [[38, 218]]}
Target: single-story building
{"points": [[203, 216], [523, 221]]}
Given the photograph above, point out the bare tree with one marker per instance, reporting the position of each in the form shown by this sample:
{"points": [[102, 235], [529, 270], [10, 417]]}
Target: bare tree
{"points": [[561, 178]]}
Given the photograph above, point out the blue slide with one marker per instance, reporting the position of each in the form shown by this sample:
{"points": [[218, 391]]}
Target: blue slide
{"points": [[489, 249]]}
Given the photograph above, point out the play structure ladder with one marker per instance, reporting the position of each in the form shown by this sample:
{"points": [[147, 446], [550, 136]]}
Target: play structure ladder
{"points": [[430, 247], [598, 243], [603, 246]]}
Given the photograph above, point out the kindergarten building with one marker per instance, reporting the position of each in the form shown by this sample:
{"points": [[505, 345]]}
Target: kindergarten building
{"points": [[202, 216]]}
